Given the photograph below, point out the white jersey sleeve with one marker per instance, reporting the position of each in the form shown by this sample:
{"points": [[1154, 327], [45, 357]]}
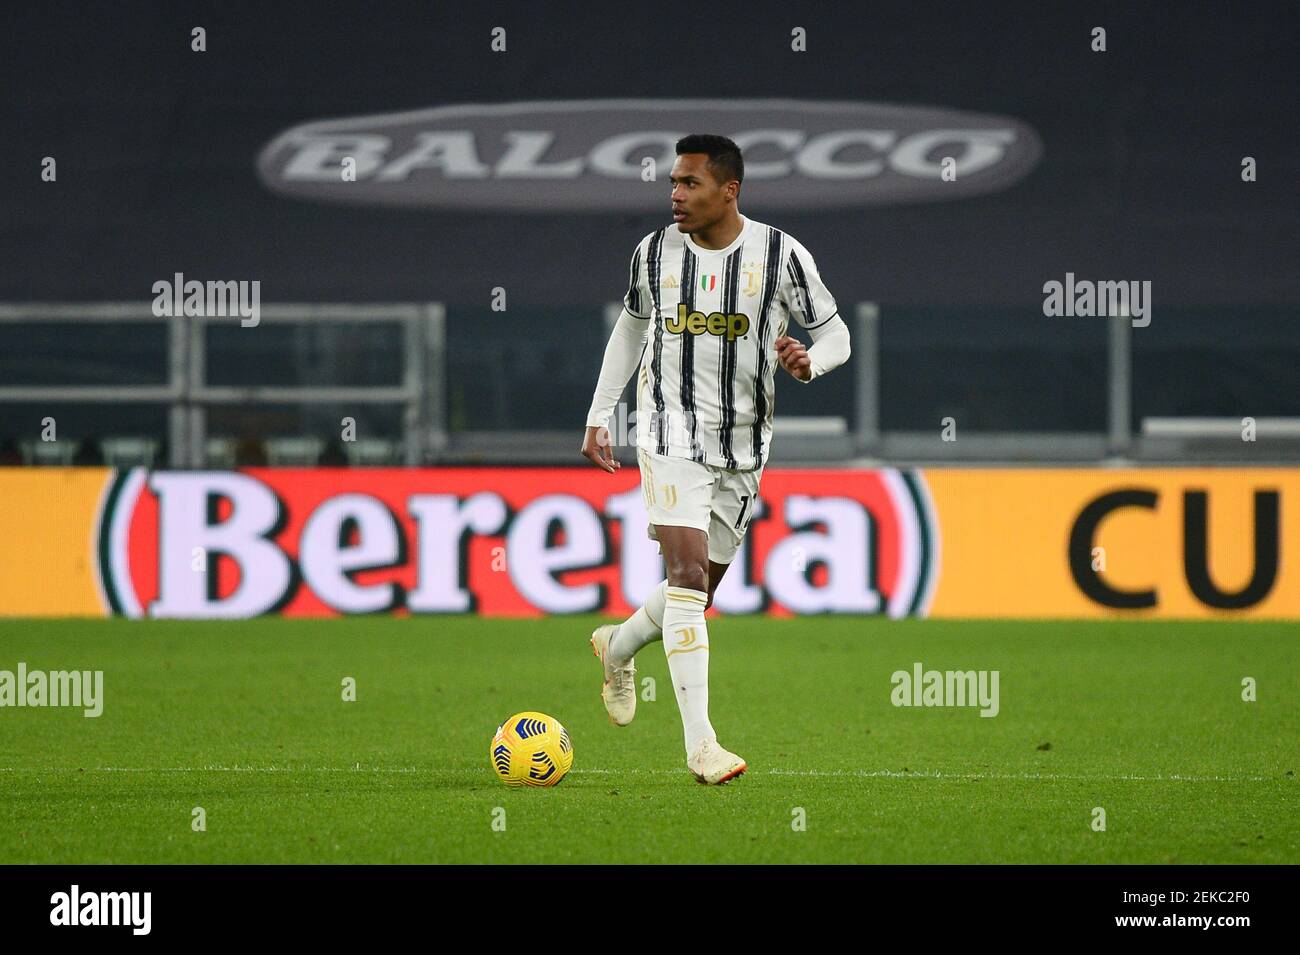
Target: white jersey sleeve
{"points": [[805, 295], [622, 355], [830, 347], [626, 343]]}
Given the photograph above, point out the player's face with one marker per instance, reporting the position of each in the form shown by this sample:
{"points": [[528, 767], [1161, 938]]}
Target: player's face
{"points": [[699, 200]]}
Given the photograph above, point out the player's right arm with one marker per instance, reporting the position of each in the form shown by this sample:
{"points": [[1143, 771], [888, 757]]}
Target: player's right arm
{"points": [[623, 354]]}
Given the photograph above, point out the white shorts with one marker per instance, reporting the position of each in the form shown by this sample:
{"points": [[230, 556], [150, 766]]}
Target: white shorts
{"points": [[682, 493]]}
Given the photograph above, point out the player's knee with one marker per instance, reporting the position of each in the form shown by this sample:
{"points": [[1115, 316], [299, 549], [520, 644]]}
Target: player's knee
{"points": [[690, 575]]}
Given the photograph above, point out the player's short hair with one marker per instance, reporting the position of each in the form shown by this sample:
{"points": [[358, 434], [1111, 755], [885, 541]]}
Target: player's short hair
{"points": [[725, 161]]}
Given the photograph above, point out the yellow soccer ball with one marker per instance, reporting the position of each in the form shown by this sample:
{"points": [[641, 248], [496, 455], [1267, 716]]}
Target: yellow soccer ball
{"points": [[531, 749]]}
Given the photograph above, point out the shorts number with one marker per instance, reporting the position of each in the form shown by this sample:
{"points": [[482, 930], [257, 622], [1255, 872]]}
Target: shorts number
{"points": [[744, 505]]}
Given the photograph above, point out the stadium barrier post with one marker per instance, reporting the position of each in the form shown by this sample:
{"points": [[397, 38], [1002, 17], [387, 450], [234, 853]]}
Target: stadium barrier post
{"points": [[1120, 375], [433, 381], [866, 350]]}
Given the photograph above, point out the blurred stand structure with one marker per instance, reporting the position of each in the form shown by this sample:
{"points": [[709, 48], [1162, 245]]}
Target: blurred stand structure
{"points": [[355, 385]]}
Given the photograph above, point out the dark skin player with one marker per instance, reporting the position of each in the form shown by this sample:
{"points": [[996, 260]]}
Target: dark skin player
{"points": [[705, 209]]}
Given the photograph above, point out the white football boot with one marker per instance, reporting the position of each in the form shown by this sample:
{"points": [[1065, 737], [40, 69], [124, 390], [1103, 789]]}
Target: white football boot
{"points": [[713, 765], [619, 691]]}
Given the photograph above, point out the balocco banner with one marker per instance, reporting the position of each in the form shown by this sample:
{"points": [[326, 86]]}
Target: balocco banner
{"points": [[526, 542], [606, 155]]}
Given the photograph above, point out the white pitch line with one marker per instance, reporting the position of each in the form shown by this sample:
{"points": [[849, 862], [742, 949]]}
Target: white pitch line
{"points": [[1072, 777], [798, 773]]}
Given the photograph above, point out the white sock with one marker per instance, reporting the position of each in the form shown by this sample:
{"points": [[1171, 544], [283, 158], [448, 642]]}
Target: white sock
{"points": [[643, 627], [686, 644]]}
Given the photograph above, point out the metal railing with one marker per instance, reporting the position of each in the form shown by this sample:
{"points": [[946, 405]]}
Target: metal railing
{"points": [[1113, 445], [189, 397]]}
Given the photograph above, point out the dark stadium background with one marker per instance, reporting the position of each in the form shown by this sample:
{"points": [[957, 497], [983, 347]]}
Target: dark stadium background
{"points": [[1139, 179], [1139, 700]]}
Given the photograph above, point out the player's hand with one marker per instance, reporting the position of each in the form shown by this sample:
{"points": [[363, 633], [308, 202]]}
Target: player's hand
{"points": [[794, 357], [597, 449]]}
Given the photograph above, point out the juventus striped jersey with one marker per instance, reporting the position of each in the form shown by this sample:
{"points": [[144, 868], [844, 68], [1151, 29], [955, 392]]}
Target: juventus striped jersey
{"points": [[707, 386]]}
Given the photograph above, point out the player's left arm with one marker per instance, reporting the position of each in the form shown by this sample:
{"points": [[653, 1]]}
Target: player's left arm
{"points": [[810, 303]]}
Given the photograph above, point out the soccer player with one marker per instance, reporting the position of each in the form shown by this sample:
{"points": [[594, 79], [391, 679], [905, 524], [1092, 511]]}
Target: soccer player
{"points": [[705, 315]]}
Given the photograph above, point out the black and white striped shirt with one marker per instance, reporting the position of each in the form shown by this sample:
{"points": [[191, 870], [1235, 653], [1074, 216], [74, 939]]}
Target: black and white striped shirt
{"points": [[706, 390]]}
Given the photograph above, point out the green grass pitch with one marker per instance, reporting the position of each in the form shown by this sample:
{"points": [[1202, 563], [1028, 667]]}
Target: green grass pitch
{"points": [[246, 720]]}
